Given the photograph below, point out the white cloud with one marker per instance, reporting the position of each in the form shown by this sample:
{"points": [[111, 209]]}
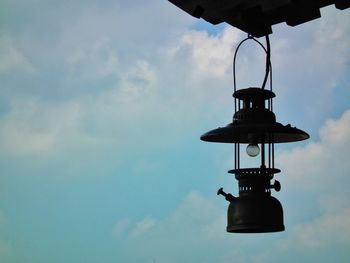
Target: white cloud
{"points": [[310, 64], [138, 83], [209, 55], [197, 224], [127, 90], [32, 127], [329, 229], [12, 58], [145, 225], [197, 214], [333, 33], [96, 61]]}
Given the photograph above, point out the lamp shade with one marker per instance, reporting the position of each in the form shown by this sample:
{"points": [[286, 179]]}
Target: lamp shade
{"points": [[236, 132], [253, 122]]}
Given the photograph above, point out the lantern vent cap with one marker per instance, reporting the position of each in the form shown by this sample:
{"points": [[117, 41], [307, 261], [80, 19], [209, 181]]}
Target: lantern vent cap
{"points": [[253, 93]]}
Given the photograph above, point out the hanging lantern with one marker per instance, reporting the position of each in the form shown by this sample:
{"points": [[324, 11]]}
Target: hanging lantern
{"points": [[254, 124]]}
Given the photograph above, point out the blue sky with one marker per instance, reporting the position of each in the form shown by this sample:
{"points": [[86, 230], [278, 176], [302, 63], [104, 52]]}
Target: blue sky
{"points": [[101, 107]]}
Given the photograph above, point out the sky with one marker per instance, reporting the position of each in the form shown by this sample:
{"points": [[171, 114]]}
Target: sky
{"points": [[102, 104]]}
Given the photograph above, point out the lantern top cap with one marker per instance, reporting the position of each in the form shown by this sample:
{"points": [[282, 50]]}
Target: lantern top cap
{"points": [[253, 93]]}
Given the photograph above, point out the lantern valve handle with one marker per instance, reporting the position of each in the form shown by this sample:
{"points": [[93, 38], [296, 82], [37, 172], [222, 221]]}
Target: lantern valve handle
{"points": [[276, 185], [228, 197]]}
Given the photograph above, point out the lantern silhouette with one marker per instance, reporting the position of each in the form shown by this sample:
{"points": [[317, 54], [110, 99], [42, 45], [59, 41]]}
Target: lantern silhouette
{"points": [[254, 124]]}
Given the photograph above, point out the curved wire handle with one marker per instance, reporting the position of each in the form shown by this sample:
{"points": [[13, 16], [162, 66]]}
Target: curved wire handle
{"points": [[268, 60]]}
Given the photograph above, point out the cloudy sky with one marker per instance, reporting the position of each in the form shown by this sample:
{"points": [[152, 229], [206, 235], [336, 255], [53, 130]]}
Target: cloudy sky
{"points": [[101, 107]]}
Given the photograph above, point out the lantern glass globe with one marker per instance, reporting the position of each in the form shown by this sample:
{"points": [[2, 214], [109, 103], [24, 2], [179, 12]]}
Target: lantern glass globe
{"points": [[253, 150]]}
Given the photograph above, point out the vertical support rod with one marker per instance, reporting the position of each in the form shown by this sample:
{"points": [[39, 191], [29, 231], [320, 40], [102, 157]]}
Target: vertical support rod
{"points": [[273, 155], [235, 105], [235, 155], [262, 153], [270, 153], [238, 159], [271, 109]]}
